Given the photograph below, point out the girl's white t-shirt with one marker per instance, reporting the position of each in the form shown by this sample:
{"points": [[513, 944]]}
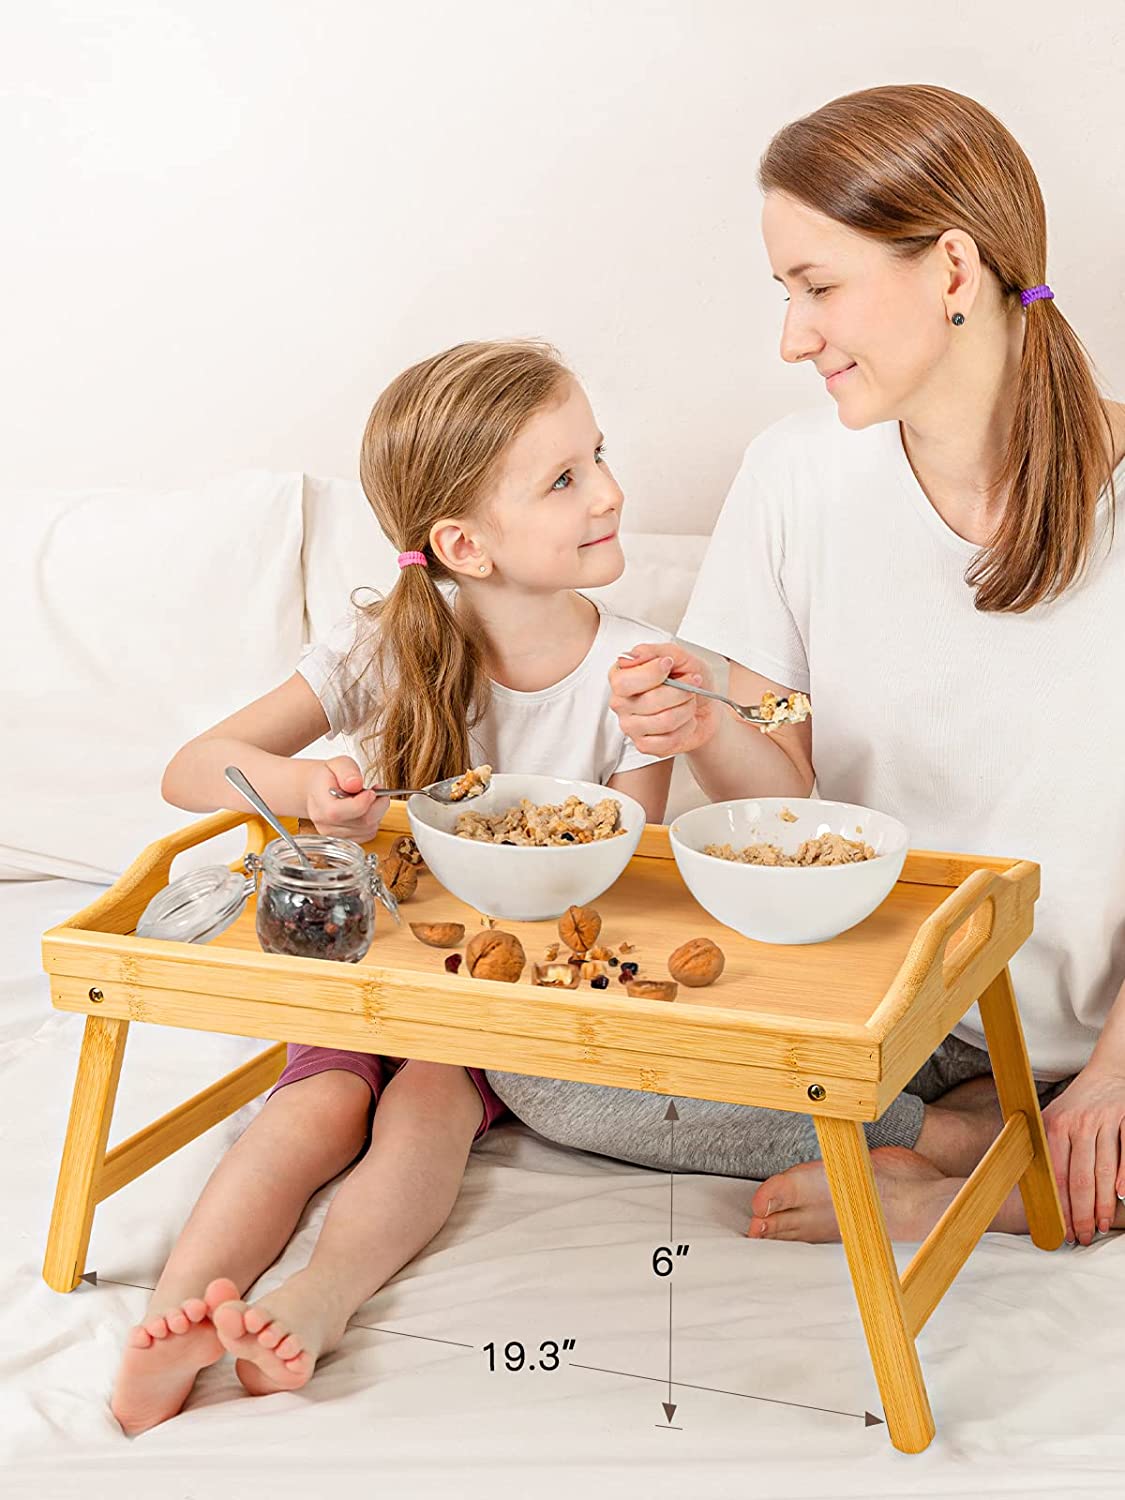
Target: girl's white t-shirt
{"points": [[566, 730], [830, 572]]}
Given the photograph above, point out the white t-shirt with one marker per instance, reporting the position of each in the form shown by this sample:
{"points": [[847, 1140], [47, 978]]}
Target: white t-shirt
{"points": [[830, 571], [566, 730]]}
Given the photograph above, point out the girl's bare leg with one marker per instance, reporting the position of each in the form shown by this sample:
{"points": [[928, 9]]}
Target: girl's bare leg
{"points": [[390, 1206], [303, 1136]]}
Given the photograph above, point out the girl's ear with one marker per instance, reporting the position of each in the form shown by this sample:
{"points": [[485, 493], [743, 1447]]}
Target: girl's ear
{"points": [[456, 549]]}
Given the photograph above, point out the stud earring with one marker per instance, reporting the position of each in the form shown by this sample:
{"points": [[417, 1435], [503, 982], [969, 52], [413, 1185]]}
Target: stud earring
{"points": [[482, 569], [958, 319]]}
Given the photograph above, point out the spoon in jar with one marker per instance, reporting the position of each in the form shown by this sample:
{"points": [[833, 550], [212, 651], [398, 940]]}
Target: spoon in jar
{"points": [[244, 789]]}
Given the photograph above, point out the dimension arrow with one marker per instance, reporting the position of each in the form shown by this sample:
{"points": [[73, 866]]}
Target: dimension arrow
{"points": [[671, 1114]]}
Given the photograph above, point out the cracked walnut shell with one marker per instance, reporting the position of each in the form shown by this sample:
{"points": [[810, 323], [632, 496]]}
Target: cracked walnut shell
{"points": [[439, 934], [579, 927], [405, 848], [652, 989], [493, 954], [399, 876], [697, 963], [555, 976]]}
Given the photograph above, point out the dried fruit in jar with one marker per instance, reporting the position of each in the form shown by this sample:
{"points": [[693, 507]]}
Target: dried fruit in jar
{"points": [[494, 954], [579, 927], [439, 934], [399, 876], [652, 989], [697, 962]]}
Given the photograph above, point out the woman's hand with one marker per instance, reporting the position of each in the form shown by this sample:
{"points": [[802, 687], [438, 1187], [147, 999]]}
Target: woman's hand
{"points": [[1085, 1126], [662, 720], [355, 817]]}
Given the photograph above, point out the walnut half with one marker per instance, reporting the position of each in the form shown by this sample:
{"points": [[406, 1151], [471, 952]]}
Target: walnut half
{"points": [[579, 927]]}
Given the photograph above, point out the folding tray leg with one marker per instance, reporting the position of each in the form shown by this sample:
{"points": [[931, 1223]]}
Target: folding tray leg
{"points": [[91, 1110], [863, 1229], [1015, 1087]]}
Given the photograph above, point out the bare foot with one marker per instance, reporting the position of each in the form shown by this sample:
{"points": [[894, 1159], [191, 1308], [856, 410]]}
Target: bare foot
{"points": [[163, 1355], [797, 1204], [277, 1341]]}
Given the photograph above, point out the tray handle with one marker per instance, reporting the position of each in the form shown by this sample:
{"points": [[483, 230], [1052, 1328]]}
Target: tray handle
{"points": [[984, 905], [118, 908]]}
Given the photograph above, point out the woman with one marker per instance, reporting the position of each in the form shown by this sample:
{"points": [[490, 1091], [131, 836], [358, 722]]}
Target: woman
{"points": [[934, 563]]}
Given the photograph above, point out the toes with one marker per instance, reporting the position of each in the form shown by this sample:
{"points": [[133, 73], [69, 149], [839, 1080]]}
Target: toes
{"points": [[301, 1366], [229, 1319], [195, 1309], [272, 1335], [139, 1338], [157, 1327], [256, 1319], [221, 1290], [289, 1348], [178, 1321]]}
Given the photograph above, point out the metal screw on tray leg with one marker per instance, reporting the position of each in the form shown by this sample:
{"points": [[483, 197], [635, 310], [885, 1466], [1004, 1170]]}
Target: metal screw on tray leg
{"points": [[96, 995], [817, 1092]]}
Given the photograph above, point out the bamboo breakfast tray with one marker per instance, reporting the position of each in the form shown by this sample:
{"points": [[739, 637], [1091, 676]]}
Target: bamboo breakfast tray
{"points": [[831, 1029]]}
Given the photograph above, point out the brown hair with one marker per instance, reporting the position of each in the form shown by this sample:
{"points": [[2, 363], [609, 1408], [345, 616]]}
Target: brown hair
{"points": [[904, 164], [433, 441]]}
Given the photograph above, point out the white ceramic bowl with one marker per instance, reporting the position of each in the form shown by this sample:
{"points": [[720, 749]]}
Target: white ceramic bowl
{"points": [[783, 903], [518, 882]]}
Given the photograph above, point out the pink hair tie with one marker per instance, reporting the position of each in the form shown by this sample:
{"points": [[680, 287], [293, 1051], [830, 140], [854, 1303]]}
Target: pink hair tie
{"points": [[406, 558]]}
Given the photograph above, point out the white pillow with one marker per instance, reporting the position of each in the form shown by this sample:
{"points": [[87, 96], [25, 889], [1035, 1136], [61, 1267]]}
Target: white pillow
{"points": [[132, 620]]}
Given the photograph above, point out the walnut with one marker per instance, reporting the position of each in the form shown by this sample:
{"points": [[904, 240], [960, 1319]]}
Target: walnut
{"points": [[627, 948], [405, 848], [439, 934], [697, 962], [495, 955], [552, 953], [399, 876], [555, 976], [652, 989], [579, 927], [599, 952], [590, 970]]}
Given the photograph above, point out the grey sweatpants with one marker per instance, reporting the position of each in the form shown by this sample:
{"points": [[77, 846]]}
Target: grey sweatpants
{"points": [[729, 1140]]}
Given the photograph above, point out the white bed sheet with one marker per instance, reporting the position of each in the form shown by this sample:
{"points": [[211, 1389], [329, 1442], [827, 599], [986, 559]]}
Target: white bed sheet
{"points": [[1023, 1358]]}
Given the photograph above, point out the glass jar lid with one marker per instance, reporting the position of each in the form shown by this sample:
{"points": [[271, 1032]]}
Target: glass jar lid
{"points": [[197, 907]]}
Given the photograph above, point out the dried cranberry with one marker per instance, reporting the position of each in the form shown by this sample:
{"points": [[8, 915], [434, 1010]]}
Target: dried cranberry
{"points": [[600, 983], [629, 968], [614, 962], [453, 963]]}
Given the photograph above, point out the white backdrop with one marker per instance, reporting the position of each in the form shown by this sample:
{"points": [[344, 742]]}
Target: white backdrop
{"points": [[227, 225]]}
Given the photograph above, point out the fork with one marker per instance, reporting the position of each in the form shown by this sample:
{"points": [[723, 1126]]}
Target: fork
{"points": [[751, 713]]}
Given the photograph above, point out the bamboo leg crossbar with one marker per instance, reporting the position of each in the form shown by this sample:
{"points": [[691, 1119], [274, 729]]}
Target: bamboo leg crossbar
{"points": [[835, 1029]]}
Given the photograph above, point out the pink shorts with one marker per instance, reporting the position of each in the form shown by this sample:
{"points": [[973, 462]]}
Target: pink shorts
{"points": [[304, 1061]]}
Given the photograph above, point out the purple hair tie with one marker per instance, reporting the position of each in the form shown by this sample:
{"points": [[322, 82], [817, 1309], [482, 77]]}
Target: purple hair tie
{"points": [[1036, 294]]}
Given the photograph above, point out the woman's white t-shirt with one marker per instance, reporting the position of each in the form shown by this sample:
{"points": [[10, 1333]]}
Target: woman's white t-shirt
{"points": [[566, 730], [830, 571]]}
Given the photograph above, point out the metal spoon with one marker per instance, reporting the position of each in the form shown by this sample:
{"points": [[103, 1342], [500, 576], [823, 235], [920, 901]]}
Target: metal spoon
{"points": [[439, 791], [244, 789], [750, 712]]}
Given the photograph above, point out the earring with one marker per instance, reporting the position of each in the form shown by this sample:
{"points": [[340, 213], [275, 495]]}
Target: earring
{"points": [[482, 569], [958, 319]]}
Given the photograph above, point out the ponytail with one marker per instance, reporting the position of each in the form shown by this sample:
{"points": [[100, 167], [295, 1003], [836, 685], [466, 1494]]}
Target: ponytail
{"points": [[1059, 454], [433, 679]]}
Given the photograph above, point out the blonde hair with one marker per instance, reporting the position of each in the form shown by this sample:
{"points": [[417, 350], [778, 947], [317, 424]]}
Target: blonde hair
{"points": [[903, 165], [433, 442]]}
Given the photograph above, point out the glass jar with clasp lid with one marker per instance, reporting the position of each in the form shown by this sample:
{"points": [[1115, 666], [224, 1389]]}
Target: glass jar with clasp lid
{"points": [[325, 909]]}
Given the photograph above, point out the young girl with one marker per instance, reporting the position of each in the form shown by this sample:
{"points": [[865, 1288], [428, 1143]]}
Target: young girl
{"points": [[485, 468]]}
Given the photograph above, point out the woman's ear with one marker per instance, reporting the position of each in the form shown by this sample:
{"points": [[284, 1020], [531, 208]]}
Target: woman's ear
{"points": [[458, 550], [960, 269]]}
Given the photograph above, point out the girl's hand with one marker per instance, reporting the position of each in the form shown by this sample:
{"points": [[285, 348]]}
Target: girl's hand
{"points": [[661, 720], [1084, 1135], [355, 817]]}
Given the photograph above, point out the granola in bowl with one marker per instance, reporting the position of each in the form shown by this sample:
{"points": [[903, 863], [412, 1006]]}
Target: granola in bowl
{"points": [[545, 824], [826, 849]]}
